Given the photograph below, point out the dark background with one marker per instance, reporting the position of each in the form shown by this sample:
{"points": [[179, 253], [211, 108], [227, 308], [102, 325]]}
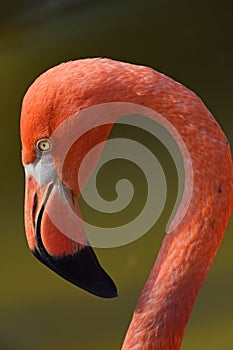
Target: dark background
{"points": [[190, 41]]}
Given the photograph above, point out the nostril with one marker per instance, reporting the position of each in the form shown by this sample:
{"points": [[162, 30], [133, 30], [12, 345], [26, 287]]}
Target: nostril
{"points": [[34, 209]]}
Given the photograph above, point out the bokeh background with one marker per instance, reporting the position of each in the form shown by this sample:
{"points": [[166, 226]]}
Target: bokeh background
{"points": [[190, 41]]}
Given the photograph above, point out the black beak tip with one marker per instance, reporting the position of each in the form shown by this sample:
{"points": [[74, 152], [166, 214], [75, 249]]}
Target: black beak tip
{"points": [[81, 269], [106, 288]]}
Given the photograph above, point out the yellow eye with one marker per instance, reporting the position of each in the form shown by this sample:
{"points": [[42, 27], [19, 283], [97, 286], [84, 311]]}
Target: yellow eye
{"points": [[44, 145]]}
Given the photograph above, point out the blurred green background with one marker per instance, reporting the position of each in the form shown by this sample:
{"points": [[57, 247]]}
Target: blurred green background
{"points": [[189, 41]]}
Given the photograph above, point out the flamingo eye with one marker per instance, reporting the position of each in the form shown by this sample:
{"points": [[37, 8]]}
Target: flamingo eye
{"points": [[43, 145]]}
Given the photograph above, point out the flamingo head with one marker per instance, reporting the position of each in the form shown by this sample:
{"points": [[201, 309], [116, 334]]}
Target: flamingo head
{"points": [[53, 98]]}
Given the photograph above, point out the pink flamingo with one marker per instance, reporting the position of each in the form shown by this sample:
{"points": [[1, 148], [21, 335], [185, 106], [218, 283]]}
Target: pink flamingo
{"points": [[187, 253]]}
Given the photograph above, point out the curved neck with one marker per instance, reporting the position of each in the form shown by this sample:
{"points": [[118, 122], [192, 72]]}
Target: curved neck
{"points": [[187, 253]]}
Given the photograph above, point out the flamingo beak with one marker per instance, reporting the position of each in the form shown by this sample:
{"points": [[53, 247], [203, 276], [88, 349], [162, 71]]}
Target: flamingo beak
{"points": [[70, 257]]}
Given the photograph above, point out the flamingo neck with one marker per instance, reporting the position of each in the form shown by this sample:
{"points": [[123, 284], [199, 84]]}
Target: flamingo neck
{"points": [[166, 301], [187, 253]]}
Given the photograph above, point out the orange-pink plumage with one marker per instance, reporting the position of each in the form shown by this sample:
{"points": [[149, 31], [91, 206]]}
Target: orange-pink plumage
{"points": [[187, 252]]}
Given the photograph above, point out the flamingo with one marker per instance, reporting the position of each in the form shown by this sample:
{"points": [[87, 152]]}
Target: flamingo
{"points": [[186, 254]]}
